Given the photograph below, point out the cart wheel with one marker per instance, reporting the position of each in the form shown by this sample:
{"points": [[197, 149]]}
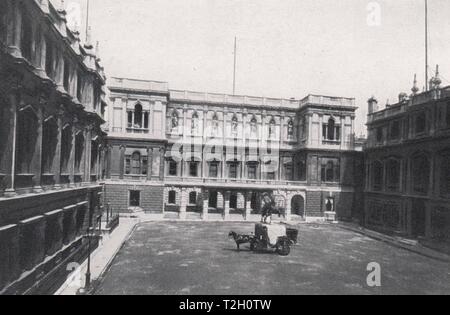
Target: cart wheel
{"points": [[284, 249]]}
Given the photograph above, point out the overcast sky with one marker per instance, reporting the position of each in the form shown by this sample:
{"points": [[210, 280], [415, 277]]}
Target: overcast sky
{"points": [[286, 48]]}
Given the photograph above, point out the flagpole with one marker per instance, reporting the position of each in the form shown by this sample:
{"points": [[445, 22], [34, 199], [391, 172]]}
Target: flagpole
{"points": [[87, 19], [426, 45], [234, 71]]}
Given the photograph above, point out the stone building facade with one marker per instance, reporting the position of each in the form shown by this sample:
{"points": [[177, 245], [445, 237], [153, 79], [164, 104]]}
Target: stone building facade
{"points": [[407, 161], [52, 100], [209, 156]]}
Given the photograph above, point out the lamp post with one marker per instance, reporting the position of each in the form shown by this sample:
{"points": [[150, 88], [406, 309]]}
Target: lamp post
{"points": [[87, 284]]}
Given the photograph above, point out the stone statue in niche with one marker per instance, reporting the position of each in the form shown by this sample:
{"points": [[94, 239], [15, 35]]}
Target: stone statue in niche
{"points": [[290, 128], [174, 121], [234, 125]]}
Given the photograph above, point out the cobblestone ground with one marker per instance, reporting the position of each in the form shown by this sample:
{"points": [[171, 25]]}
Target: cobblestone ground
{"points": [[199, 259]]}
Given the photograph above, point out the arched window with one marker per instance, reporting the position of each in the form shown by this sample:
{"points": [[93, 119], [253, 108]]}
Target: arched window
{"points": [[393, 174], [172, 200], [27, 125], [377, 175], [5, 131], [66, 148], [331, 131], [50, 136], [290, 128], [192, 198], [94, 157], [138, 116], [302, 171], [233, 201], [420, 173], [79, 150], [26, 37]]}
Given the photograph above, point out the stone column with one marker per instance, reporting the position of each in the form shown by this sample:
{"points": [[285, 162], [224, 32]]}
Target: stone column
{"points": [[183, 204], [36, 163], [149, 163], [122, 162], [226, 207], [87, 155], [288, 209], [108, 161], [15, 29], [56, 163], [10, 159], [59, 72], [71, 164], [161, 164], [248, 205], [205, 204]]}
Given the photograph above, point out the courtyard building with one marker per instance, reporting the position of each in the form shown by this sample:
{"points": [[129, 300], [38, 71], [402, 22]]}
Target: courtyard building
{"points": [[210, 156], [52, 101], [407, 161]]}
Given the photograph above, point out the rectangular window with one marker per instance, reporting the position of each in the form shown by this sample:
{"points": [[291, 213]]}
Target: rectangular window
{"points": [[252, 168], [173, 168], [128, 165], [193, 169], [379, 135], [130, 119], [213, 170], [394, 132], [172, 197], [288, 172], [144, 165], [233, 170], [330, 171], [135, 198], [270, 176]]}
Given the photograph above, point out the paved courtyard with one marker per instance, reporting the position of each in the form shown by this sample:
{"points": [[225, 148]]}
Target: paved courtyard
{"points": [[199, 259]]}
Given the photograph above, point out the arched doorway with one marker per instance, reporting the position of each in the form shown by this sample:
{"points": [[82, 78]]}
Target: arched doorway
{"points": [[298, 206]]}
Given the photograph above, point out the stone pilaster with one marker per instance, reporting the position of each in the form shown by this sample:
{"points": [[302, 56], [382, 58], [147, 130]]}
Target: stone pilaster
{"points": [[9, 159], [122, 161], [226, 207], [205, 204], [36, 163], [183, 204], [149, 163], [56, 163], [248, 205], [161, 164]]}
